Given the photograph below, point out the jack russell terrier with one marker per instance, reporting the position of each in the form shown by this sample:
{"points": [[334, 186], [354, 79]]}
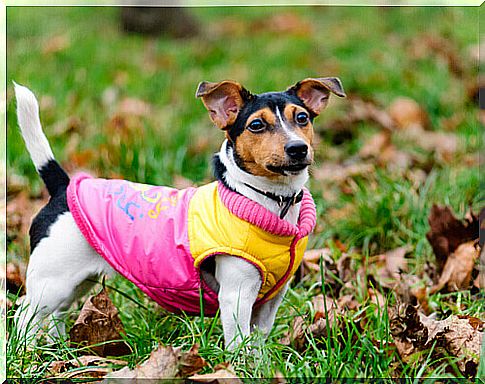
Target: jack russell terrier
{"points": [[231, 245]]}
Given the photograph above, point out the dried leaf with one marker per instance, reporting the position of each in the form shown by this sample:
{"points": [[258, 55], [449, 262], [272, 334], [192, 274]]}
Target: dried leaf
{"points": [[458, 268], [406, 112], [443, 144], [56, 44], [297, 337], [284, 23], [97, 323], [162, 364], [374, 146], [191, 362], [396, 262], [447, 232], [311, 259], [16, 184], [133, 107], [335, 173], [223, 374], [94, 366], [15, 279], [319, 304], [367, 111], [165, 363], [458, 336], [390, 265], [20, 211], [346, 302]]}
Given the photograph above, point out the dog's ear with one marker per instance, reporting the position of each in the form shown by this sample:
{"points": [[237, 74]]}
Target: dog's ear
{"points": [[314, 92], [223, 100]]}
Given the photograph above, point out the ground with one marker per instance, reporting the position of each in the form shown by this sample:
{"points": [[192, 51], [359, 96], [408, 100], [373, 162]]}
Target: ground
{"points": [[406, 138]]}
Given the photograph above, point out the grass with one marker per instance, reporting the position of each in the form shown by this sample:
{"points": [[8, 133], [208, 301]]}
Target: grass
{"points": [[372, 50]]}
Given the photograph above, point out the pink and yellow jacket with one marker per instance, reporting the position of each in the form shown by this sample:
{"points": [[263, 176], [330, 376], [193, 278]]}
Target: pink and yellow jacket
{"points": [[157, 237]]}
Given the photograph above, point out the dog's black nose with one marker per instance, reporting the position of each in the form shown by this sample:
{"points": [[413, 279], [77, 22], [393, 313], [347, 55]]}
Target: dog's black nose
{"points": [[296, 149]]}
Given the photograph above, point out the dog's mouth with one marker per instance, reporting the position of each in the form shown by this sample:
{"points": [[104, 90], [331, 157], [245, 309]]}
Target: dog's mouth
{"points": [[288, 169]]}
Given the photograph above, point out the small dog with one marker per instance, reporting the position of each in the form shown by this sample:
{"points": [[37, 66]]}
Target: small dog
{"points": [[231, 245]]}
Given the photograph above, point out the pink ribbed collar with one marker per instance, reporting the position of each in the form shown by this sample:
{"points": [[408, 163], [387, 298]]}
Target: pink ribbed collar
{"points": [[254, 213]]}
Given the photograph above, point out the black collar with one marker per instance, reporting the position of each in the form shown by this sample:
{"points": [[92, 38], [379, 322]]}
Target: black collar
{"points": [[283, 201]]}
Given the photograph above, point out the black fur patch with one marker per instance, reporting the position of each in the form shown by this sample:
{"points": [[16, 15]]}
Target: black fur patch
{"points": [[41, 223], [56, 181], [219, 170], [54, 177]]}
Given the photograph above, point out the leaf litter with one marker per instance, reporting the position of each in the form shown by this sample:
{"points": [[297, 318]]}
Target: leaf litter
{"points": [[166, 362], [99, 328], [415, 327]]}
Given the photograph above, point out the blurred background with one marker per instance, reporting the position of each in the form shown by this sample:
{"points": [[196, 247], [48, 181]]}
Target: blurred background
{"points": [[117, 96]]}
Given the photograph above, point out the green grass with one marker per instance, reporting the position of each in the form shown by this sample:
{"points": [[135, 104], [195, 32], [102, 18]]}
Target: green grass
{"points": [[370, 49]]}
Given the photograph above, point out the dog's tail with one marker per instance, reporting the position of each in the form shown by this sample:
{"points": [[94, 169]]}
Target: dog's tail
{"points": [[54, 177]]}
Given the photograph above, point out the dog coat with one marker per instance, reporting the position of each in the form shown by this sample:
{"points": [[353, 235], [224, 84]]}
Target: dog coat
{"points": [[158, 237]]}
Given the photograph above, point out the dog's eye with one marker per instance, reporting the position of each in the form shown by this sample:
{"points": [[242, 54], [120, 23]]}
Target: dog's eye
{"points": [[301, 118], [257, 125]]}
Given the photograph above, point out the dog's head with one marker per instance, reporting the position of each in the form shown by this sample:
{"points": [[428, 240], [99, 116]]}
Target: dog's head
{"points": [[271, 133]]}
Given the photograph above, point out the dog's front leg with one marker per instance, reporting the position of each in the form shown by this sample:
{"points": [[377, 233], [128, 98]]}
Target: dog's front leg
{"points": [[264, 316], [239, 283]]}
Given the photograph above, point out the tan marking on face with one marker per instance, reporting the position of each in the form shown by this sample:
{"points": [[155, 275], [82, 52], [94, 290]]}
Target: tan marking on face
{"points": [[306, 132], [258, 150], [265, 114]]}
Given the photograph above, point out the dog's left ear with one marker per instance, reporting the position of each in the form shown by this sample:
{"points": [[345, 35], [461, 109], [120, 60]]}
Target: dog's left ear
{"points": [[223, 101], [314, 92]]}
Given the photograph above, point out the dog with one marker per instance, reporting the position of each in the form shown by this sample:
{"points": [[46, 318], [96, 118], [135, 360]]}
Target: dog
{"points": [[231, 245]]}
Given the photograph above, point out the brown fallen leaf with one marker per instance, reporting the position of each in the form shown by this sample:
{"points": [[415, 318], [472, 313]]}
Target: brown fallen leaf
{"points": [[336, 173], [457, 336], [374, 146], [56, 44], [379, 146], [440, 47], [458, 268], [447, 233], [223, 374], [368, 111], [361, 111], [406, 112], [300, 329], [15, 279], [20, 211], [389, 266], [321, 302], [84, 366], [443, 144], [164, 363], [311, 259], [190, 362], [347, 302], [288, 23], [133, 107], [98, 323], [16, 184]]}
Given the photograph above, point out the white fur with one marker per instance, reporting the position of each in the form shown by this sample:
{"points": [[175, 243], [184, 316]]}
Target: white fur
{"points": [[284, 186], [63, 266], [29, 122], [290, 133], [59, 271]]}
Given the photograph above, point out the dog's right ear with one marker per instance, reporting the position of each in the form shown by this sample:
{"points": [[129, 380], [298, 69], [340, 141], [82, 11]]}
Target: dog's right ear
{"points": [[223, 100]]}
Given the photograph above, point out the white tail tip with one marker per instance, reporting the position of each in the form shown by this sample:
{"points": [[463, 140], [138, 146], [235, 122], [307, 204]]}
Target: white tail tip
{"points": [[29, 122]]}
